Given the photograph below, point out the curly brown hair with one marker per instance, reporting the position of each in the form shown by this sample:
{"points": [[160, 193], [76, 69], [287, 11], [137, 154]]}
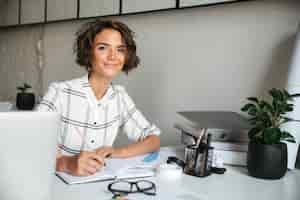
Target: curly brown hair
{"points": [[85, 37]]}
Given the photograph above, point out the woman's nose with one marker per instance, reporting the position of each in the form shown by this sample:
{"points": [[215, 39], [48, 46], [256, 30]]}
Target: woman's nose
{"points": [[112, 54]]}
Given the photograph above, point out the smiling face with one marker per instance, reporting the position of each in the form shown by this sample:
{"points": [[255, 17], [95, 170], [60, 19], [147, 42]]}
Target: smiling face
{"points": [[108, 54]]}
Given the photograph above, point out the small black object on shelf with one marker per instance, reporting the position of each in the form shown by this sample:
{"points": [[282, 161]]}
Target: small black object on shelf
{"points": [[25, 100]]}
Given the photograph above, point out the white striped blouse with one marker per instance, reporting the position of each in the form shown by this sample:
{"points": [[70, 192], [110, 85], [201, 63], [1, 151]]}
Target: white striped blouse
{"points": [[88, 123]]}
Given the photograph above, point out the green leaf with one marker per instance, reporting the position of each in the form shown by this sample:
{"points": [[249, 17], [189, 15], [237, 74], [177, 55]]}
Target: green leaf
{"points": [[253, 120], [281, 95], [246, 107], [287, 136], [252, 111], [275, 106], [276, 94], [267, 106], [253, 132], [27, 86], [286, 94], [24, 87], [295, 95], [289, 107], [285, 120], [271, 135], [254, 99], [265, 119], [290, 140]]}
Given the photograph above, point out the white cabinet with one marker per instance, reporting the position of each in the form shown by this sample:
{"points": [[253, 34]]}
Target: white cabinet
{"points": [[9, 12], [187, 3], [131, 6], [61, 9], [93, 8], [32, 11], [14, 12]]}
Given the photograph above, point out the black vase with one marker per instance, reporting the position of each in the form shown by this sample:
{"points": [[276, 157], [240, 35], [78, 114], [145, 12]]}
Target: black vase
{"points": [[267, 161], [25, 101]]}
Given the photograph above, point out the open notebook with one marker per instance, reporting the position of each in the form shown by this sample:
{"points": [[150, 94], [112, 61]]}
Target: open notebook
{"points": [[135, 167]]}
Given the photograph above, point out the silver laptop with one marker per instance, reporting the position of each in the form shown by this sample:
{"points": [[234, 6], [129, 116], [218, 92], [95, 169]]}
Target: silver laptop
{"points": [[27, 154]]}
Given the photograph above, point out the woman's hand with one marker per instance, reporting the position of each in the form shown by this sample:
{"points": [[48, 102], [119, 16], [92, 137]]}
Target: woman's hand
{"points": [[84, 164]]}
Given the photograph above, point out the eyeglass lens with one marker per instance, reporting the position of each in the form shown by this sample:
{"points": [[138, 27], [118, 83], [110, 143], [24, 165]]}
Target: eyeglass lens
{"points": [[146, 187], [121, 186]]}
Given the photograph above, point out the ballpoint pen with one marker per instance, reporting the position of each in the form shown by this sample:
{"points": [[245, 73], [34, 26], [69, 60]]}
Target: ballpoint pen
{"points": [[198, 146]]}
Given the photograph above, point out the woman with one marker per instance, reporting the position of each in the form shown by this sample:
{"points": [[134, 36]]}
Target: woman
{"points": [[92, 109]]}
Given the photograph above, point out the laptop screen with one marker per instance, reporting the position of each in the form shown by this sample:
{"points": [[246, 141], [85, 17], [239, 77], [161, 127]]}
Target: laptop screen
{"points": [[27, 154]]}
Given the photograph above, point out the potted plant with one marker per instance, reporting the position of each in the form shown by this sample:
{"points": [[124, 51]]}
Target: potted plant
{"points": [[267, 154], [25, 99]]}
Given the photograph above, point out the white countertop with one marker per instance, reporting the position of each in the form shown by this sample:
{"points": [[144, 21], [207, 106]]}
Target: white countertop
{"points": [[235, 184]]}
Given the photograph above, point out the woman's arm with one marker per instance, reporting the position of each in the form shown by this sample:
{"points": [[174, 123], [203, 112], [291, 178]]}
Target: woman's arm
{"points": [[136, 127], [150, 144]]}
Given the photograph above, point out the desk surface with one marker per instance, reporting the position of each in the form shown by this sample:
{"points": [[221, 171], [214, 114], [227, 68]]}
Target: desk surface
{"points": [[235, 184]]}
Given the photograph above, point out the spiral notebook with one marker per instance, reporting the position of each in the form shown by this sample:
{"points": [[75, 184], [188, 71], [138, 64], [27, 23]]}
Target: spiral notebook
{"points": [[135, 167]]}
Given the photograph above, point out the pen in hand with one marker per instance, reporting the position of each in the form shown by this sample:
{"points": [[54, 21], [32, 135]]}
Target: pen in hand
{"points": [[107, 156], [103, 161]]}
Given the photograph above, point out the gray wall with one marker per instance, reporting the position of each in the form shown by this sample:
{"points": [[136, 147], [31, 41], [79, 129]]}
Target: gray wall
{"points": [[206, 58]]}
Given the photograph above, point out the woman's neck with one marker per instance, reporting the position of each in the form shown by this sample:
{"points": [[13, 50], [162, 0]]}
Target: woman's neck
{"points": [[99, 85]]}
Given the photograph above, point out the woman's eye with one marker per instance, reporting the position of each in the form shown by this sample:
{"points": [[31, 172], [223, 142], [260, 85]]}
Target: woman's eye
{"points": [[122, 50], [101, 47]]}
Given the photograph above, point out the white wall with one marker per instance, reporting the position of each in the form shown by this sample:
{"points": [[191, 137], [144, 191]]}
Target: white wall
{"points": [[206, 58]]}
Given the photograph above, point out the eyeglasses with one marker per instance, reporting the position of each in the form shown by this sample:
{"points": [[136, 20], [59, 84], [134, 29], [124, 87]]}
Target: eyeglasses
{"points": [[122, 187]]}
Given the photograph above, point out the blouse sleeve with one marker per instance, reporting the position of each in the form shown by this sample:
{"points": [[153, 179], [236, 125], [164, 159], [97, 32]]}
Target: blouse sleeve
{"points": [[51, 103], [51, 100], [134, 124]]}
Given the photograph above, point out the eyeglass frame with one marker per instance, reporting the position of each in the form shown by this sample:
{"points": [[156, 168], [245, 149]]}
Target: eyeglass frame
{"points": [[132, 183]]}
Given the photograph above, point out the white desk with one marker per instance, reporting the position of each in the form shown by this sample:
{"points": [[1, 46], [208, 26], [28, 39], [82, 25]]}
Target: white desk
{"points": [[235, 184]]}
